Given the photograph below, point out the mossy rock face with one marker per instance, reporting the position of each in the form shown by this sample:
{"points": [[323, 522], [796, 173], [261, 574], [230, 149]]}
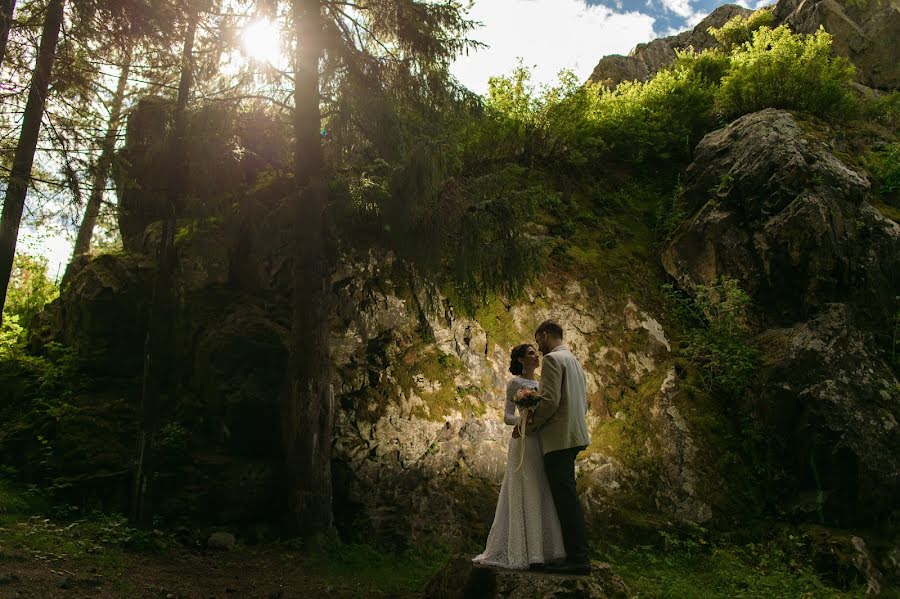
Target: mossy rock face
{"points": [[239, 360], [226, 153], [102, 314], [772, 207], [833, 406]]}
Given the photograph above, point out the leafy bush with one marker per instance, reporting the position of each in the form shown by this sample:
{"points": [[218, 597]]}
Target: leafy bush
{"points": [[883, 109], [717, 339], [542, 125], [739, 30], [663, 118], [887, 168], [30, 289], [778, 69]]}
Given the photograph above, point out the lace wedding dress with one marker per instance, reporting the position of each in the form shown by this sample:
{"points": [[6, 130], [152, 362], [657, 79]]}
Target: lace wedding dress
{"points": [[526, 528]]}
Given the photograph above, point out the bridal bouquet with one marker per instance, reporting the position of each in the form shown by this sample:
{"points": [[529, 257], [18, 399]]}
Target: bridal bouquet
{"points": [[527, 398]]}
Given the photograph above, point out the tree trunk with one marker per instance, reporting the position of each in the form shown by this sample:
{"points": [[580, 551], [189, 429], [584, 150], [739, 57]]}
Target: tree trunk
{"points": [[157, 347], [20, 175], [308, 404], [101, 168], [6, 19]]}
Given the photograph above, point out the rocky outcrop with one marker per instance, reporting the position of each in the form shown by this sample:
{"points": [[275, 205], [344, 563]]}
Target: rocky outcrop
{"points": [[829, 396], [102, 314], [234, 149], [647, 59], [460, 579], [866, 32], [771, 206]]}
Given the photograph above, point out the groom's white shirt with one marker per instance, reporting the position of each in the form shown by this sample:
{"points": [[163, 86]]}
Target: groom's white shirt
{"points": [[560, 417]]}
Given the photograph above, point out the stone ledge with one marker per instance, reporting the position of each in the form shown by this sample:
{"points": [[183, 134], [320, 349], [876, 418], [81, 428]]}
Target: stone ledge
{"points": [[461, 579]]}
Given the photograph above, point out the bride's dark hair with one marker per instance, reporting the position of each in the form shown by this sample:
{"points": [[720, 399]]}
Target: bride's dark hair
{"points": [[517, 352]]}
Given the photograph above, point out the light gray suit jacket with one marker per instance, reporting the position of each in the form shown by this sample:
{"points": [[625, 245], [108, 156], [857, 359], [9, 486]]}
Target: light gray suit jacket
{"points": [[560, 417]]}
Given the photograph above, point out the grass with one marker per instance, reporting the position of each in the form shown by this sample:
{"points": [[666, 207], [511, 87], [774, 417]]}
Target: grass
{"points": [[888, 210], [694, 572], [368, 571]]}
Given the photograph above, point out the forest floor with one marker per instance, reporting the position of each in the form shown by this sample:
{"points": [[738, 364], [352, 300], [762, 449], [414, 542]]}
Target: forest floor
{"points": [[40, 559], [67, 555], [177, 574]]}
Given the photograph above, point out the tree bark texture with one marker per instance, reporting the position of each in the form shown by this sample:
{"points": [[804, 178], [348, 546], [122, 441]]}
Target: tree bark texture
{"points": [[308, 403], [20, 176], [7, 7], [157, 346], [103, 164]]}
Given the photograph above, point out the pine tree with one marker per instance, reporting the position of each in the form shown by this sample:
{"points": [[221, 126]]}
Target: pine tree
{"points": [[383, 68], [20, 176], [102, 167], [7, 8], [156, 352]]}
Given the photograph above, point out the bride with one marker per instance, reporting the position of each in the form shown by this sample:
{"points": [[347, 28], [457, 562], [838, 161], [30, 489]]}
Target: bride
{"points": [[526, 531]]}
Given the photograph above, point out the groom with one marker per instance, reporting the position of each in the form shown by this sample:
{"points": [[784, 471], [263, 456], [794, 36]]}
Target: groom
{"points": [[560, 421]]}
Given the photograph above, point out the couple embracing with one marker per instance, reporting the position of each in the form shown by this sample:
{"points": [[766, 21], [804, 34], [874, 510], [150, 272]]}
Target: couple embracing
{"points": [[539, 522]]}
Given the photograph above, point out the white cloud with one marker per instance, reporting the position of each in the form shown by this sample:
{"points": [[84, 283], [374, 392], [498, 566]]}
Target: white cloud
{"points": [[683, 9], [549, 35]]}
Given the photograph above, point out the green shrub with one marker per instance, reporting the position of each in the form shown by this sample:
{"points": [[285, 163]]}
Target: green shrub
{"points": [[665, 117], [717, 338], [29, 290], [544, 125], [739, 30], [778, 69], [887, 168]]}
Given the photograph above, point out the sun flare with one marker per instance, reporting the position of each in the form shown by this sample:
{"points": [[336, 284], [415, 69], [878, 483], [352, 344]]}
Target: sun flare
{"points": [[261, 41]]}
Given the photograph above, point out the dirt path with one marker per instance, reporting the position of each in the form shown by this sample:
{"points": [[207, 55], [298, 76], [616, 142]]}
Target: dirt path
{"points": [[249, 574]]}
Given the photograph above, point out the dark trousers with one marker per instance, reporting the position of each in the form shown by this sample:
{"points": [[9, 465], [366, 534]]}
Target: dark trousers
{"points": [[560, 468]]}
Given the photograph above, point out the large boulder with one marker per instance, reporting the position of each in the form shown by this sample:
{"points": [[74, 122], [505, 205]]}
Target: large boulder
{"points": [[226, 153], [770, 205], [102, 313], [774, 208], [834, 404], [866, 32]]}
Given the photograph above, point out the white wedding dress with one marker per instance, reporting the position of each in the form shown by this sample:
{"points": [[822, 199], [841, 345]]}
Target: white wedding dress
{"points": [[526, 528]]}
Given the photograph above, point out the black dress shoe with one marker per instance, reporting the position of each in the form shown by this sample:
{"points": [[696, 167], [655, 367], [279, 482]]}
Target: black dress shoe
{"points": [[537, 566], [569, 568]]}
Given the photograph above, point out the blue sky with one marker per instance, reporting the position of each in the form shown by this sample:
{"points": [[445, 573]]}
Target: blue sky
{"points": [[551, 35]]}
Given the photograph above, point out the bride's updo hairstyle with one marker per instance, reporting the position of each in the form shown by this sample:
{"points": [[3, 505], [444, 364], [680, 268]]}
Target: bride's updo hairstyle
{"points": [[518, 351]]}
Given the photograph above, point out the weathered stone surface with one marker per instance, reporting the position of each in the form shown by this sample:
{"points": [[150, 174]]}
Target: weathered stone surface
{"points": [[834, 403], [866, 32], [614, 69], [238, 362], [645, 60], [139, 204], [774, 208], [679, 491], [103, 314], [220, 541], [461, 579]]}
